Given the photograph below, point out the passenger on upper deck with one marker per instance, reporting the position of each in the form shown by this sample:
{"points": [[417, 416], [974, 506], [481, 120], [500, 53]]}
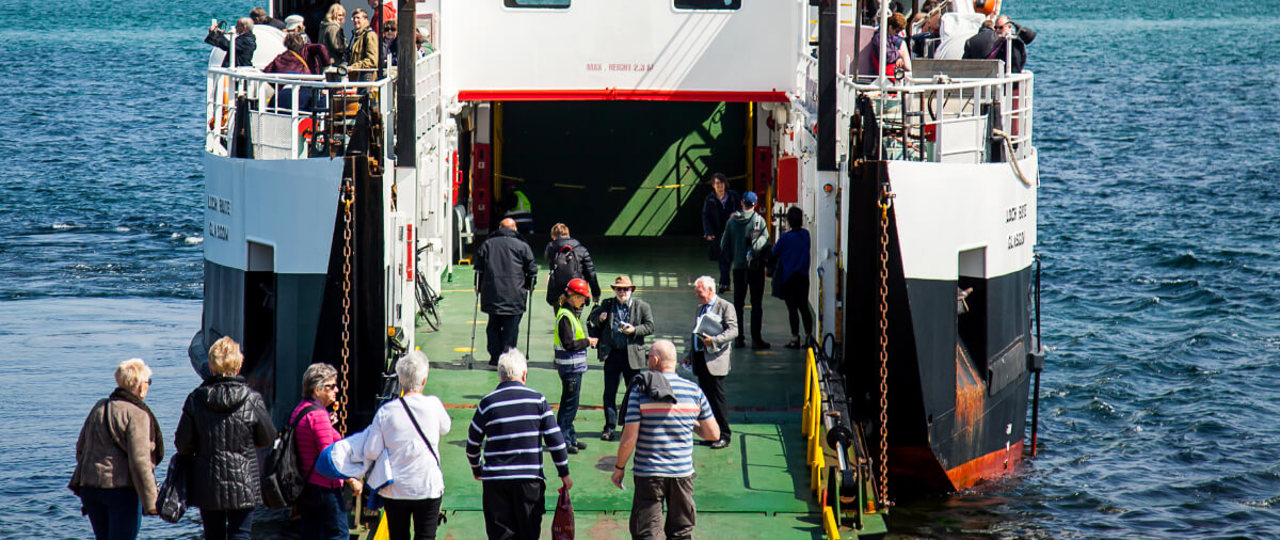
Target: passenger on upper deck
{"points": [[389, 48], [291, 60], [896, 55], [925, 37], [364, 45], [295, 23], [424, 44], [990, 43], [246, 43], [260, 16], [315, 55], [331, 35]]}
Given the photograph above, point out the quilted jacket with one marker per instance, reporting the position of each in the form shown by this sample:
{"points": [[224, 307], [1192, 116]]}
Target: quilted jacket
{"points": [[223, 422]]}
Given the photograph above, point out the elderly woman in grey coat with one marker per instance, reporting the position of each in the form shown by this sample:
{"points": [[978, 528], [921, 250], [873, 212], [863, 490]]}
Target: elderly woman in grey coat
{"points": [[119, 446], [409, 429]]}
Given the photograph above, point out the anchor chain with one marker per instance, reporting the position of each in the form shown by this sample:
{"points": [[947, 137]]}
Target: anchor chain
{"points": [[348, 196], [886, 198]]}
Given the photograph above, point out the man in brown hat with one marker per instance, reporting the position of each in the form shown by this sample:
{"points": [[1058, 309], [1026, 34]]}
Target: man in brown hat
{"points": [[621, 323]]}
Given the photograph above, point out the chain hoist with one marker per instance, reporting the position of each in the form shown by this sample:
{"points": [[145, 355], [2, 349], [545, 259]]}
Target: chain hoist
{"points": [[348, 198], [886, 199]]}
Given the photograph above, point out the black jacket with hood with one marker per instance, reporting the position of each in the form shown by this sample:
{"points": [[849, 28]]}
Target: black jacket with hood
{"points": [[223, 423], [505, 269]]}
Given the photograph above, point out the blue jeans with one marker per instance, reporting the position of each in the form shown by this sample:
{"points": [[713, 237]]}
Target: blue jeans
{"points": [[227, 524], [324, 513], [570, 387], [114, 513]]}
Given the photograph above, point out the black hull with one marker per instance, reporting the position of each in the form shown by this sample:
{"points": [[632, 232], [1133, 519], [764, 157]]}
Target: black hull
{"points": [[957, 384]]}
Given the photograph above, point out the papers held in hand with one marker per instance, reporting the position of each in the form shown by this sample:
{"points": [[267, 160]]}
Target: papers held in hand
{"points": [[710, 325]]}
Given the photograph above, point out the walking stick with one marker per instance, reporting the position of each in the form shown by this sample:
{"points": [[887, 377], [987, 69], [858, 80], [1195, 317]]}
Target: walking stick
{"points": [[475, 313], [528, 311]]}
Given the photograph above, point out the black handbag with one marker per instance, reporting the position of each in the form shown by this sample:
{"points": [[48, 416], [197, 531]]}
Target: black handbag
{"points": [[172, 499]]}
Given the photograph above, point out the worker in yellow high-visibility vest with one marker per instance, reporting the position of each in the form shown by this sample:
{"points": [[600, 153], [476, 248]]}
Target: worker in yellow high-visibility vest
{"points": [[571, 343]]}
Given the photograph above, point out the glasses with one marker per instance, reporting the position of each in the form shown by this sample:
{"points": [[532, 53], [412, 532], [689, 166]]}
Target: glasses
{"points": [[330, 386], [148, 382]]}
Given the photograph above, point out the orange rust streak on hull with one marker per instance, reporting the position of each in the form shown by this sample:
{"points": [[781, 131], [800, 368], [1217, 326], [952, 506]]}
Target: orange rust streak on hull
{"points": [[991, 465]]}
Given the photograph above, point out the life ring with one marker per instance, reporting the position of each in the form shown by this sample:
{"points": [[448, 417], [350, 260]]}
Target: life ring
{"points": [[986, 7]]}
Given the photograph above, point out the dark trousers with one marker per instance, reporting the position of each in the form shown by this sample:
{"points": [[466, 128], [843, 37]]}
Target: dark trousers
{"points": [[324, 513], [513, 509], [570, 391], [503, 332], [425, 514], [616, 366], [713, 387], [114, 513], [753, 278], [726, 262], [646, 507], [227, 524], [795, 292]]}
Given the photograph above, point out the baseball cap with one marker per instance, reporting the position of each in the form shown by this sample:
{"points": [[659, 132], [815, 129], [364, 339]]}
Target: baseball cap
{"points": [[750, 198], [292, 21]]}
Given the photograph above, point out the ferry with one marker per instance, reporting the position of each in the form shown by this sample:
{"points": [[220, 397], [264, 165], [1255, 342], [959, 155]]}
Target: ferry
{"points": [[341, 211]]}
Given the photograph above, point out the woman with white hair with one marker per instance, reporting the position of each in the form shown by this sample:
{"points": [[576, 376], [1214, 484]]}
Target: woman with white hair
{"points": [[409, 429], [321, 505], [223, 424], [119, 446]]}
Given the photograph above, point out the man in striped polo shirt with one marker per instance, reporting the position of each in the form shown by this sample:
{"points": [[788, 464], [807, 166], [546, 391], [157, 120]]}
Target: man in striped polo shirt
{"points": [[513, 423], [663, 413]]}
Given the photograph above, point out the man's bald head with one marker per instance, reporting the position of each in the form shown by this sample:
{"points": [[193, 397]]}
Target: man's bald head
{"points": [[244, 25], [663, 353], [507, 223]]}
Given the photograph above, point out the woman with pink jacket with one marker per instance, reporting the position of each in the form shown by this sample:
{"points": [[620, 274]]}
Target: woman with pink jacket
{"points": [[323, 509]]}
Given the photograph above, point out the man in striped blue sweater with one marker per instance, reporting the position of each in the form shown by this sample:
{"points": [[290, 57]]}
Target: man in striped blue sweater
{"points": [[513, 423], [663, 413]]}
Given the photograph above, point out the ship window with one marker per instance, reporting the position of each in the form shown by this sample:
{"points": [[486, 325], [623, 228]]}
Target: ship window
{"points": [[554, 4], [708, 4]]}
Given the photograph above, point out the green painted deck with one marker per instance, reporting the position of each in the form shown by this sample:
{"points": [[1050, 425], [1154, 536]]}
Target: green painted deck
{"points": [[756, 488]]}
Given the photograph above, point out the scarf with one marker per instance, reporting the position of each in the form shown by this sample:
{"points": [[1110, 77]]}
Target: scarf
{"points": [[157, 455]]}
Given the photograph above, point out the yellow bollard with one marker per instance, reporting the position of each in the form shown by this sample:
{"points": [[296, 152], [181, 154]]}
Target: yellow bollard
{"points": [[829, 523]]}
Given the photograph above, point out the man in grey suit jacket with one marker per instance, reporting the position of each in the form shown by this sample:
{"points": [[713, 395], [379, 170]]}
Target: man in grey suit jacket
{"points": [[621, 323], [708, 355]]}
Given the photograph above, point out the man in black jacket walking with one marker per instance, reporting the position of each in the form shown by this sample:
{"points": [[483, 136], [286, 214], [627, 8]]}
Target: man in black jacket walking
{"points": [[505, 270]]}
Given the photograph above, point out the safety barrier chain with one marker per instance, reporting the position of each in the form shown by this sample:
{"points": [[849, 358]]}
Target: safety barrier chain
{"points": [[886, 199], [348, 199]]}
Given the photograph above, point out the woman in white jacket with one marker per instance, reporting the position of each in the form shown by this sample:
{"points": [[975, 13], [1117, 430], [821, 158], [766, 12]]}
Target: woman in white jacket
{"points": [[409, 429]]}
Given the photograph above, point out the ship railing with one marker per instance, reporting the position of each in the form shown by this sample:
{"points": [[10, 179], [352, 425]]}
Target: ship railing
{"points": [[946, 120], [807, 79], [839, 466], [427, 84], [289, 116]]}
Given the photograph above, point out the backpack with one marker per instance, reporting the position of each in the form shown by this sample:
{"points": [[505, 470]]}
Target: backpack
{"points": [[565, 266], [757, 258], [282, 481]]}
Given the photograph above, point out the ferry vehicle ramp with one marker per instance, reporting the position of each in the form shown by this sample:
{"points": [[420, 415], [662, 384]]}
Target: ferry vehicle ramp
{"points": [[756, 488]]}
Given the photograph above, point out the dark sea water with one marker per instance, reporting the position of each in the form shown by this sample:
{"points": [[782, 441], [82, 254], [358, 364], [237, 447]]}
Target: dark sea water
{"points": [[1158, 124]]}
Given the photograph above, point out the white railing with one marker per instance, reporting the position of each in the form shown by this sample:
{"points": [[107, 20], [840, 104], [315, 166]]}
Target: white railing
{"points": [[807, 78], [948, 120], [426, 84], [291, 116]]}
